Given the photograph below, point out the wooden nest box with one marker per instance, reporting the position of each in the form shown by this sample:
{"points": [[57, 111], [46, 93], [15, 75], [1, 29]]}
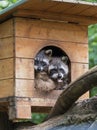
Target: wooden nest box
{"points": [[25, 29]]}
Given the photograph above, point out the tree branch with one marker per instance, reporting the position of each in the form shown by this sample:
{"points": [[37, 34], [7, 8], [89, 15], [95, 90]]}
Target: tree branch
{"points": [[74, 91]]}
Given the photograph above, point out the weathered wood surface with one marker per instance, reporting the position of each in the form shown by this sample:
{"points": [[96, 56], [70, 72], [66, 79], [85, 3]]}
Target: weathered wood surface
{"points": [[75, 51], [6, 29], [82, 111], [52, 30], [6, 88], [6, 47], [6, 68], [77, 69], [74, 91], [24, 88], [24, 68], [19, 110], [54, 16], [72, 11], [20, 41]]}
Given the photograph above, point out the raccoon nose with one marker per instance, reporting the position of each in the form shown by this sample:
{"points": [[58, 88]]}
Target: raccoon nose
{"points": [[59, 76], [39, 69]]}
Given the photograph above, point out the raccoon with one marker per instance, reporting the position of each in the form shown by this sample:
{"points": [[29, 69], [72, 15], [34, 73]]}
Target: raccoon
{"points": [[58, 71], [42, 60], [43, 83], [42, 80]]}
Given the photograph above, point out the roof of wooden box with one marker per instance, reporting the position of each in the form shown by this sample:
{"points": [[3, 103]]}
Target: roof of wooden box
{"points": [[61, 10]]}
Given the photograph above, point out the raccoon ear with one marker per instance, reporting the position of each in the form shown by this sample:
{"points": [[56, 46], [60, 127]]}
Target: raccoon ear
{"points": [[65, 59], [48, 52]]}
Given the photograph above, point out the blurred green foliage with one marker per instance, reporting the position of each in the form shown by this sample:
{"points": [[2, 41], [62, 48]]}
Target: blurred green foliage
{"points": [[6, 3], [38, 117], [92, 34], [89, 0]]}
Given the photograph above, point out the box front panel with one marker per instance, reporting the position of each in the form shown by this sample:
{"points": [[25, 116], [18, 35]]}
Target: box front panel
{"points": [[32, 36]]}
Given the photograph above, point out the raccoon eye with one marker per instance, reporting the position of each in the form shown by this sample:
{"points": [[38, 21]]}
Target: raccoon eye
{"points": [[53, 71], [36, 62], [62, 71], [43, 64]]}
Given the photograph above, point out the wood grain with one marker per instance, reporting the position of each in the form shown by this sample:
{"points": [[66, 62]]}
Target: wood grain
{"points": [[61, 16], [23, 88], [6, 88], [6, 29], [26, 88], [51, 30], [24, 68], [6, 47], [76, 52], [20, 110], [6, 68], [77, 69]]}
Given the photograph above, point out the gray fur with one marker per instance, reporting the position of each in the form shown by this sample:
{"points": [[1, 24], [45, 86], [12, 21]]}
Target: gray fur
{"points": [[42, 60], [42, 80], [58, 71]]}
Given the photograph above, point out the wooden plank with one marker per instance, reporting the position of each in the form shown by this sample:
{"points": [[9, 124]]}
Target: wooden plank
{"points": [[51, 30], [38, 5], [6, 29], [60, 7], [6, 47], [92, 11], [53, 95], [24, 68], [24, 88], [77, 69], [76, 9], [6, 68], [6, 88], [80, 19], [42, 102], [41, 24], [21, 110], [76, 52]]}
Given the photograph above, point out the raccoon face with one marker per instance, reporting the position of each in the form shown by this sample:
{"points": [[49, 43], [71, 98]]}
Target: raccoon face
{"points": [[58, 69], [41, 64], [42, 60]]}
